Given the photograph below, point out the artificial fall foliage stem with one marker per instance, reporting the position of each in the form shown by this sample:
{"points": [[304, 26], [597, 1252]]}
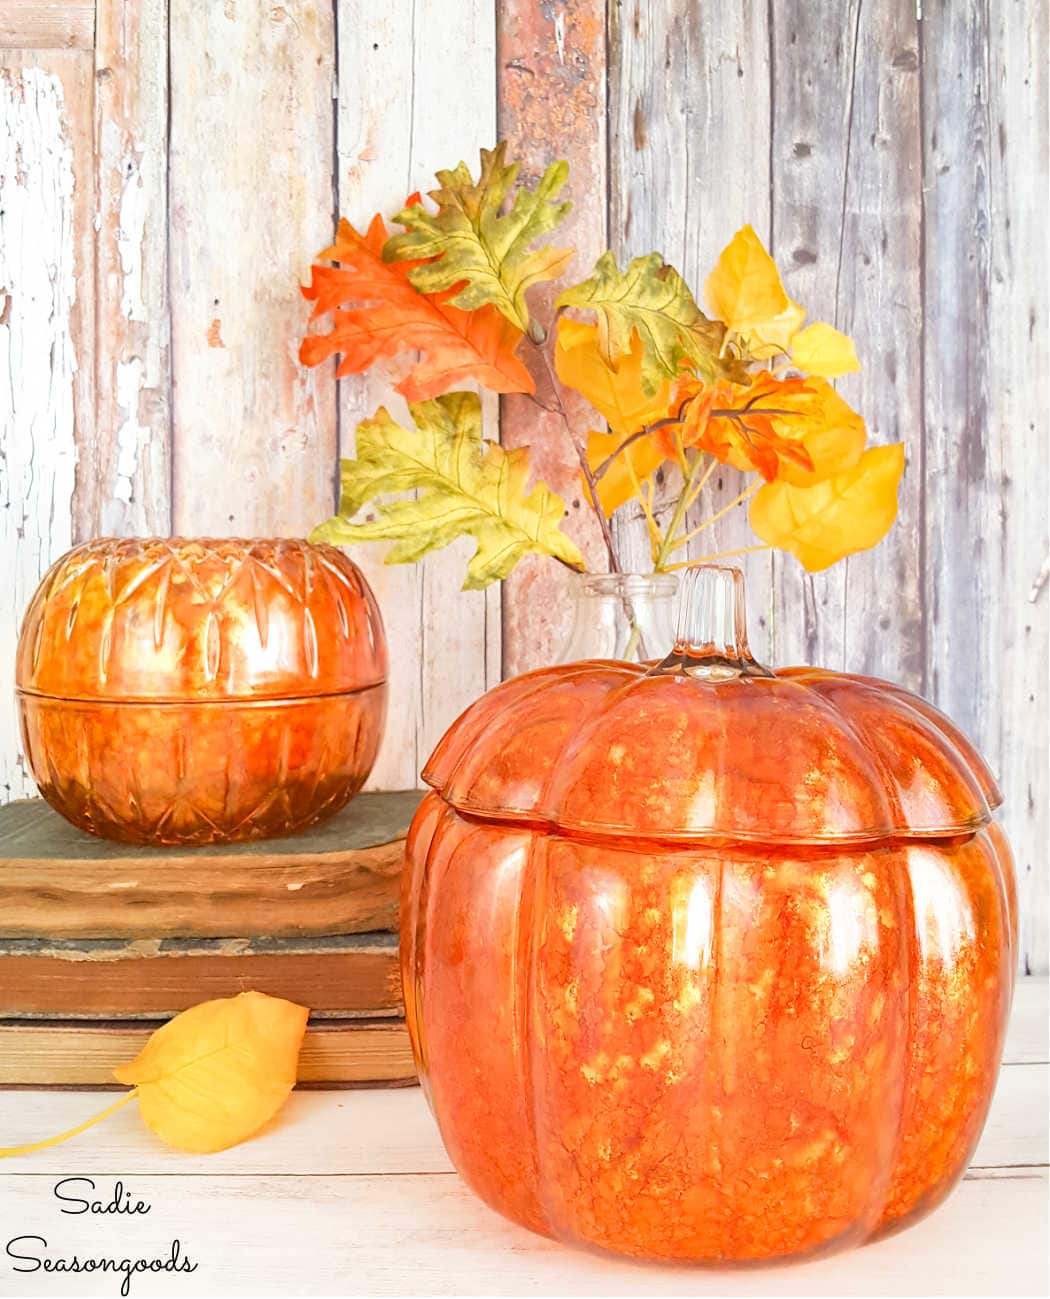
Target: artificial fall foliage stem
{"points": [[746, 387]]}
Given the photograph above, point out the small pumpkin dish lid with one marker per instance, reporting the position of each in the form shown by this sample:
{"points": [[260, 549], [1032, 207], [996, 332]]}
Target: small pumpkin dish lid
{"points": [[709, 745], [182, 619]]}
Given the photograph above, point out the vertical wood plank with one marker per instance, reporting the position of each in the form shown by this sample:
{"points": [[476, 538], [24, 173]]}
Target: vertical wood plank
{"points": [[962, 595], [689, 164], [403, 114], [251, 192], [878, 301], [1019, 398], [815, 51], [847, 199], [124, 487], [551, 62], [46, 363]]}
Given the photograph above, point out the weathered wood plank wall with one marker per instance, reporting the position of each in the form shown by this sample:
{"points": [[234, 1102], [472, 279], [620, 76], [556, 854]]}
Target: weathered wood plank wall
{"points": [[168, 168]]}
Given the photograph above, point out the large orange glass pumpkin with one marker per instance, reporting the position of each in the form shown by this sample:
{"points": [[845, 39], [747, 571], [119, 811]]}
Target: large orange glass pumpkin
{"points": [[189, 691], [706, 962]]}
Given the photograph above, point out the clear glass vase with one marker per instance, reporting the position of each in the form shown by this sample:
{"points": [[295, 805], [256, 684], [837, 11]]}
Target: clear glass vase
{"points": [[627, 616]]}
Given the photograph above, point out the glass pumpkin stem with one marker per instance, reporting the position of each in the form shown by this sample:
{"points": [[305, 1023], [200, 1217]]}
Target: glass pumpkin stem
{"points": [[711, 640]]}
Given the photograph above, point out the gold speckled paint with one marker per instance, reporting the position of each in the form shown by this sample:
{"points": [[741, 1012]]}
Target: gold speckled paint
{"points": [[711, 970]]}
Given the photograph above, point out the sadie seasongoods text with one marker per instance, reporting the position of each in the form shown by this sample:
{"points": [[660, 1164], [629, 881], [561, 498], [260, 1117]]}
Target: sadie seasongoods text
{"points": [[78, 1195]]}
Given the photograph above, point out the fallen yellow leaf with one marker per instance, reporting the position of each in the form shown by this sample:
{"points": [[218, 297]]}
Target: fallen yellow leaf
{"points": [[614, 389], [212, 1076], [744, 290], [821, 349], [823, 523]]}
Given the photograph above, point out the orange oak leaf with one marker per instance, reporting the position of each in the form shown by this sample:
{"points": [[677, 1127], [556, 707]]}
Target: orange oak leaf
{"points": [[378, 313]]}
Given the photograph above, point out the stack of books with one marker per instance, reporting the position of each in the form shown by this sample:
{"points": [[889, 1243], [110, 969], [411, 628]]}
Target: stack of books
{"points": [[101, 942]]}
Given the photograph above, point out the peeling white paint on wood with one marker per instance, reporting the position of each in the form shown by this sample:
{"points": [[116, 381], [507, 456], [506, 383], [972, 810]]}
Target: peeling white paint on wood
{"points": [[131, 434], [128, 488], [37, 361]]}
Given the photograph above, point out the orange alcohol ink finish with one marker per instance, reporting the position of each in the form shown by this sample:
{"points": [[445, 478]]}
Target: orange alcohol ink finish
{"points": [[192, 691], [703, 962]]}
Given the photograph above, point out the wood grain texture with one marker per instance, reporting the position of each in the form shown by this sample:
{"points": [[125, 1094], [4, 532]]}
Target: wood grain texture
{"points": [[1019, 401], [84, 1055], [339, 877], [846, 183], [985, 393], [417, 92], [251, 147], [551, 65], [47, 24], [46, 336], [124, 478]]}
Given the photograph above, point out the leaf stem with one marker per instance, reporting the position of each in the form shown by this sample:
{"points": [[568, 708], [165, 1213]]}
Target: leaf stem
{"points": [[679, 512], [647, 429], [722, 554], [581, 455], [737, 500], [700, 485], [65, 1136], [655, 539]]}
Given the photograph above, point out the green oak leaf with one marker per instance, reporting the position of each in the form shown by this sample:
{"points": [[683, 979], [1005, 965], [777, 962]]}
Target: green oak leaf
{"points": [[650, 297], [469, 242], [466, 487]]}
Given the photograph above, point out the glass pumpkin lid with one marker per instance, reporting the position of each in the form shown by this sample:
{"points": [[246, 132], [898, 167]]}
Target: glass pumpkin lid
{"points": [[177, 619], [707, 744]]}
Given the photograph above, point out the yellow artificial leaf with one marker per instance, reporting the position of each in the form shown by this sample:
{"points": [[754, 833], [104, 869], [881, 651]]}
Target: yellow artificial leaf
{"points": [[616, 486], [829, 520], [614, 388], [744, 290], [822, 350], [212, 1076], [828, 428], [773, 337], [466, 487]]}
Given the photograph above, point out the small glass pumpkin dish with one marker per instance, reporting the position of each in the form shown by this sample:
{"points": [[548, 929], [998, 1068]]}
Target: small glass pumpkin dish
{"points": [[704, 962], [188, 691]]}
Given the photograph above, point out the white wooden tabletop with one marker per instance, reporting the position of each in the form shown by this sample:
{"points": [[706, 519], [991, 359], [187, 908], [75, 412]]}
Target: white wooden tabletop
{"points": [[350, 1192]]}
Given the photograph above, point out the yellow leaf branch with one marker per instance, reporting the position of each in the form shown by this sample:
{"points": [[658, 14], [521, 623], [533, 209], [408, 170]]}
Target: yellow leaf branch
{"points": [[710, 559], [678, 543]]}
